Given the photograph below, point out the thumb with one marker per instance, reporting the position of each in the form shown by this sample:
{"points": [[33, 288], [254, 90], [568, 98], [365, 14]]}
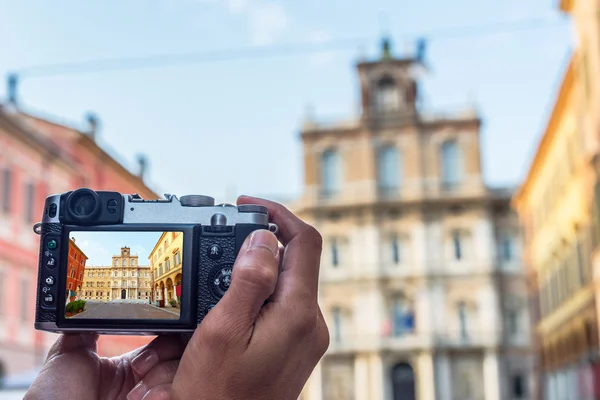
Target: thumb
{"points": [[68, 343], [253, 279]]}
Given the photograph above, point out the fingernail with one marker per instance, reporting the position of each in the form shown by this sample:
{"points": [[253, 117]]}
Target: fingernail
{"points": [[265, 239], [144, 362], [138, 392]]}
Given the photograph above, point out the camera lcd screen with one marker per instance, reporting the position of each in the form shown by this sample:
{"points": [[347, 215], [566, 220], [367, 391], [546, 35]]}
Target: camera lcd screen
{"points": [[124, 275]]}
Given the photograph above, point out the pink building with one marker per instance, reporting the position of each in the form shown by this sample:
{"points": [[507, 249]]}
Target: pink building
{"points": [[38, 158]]}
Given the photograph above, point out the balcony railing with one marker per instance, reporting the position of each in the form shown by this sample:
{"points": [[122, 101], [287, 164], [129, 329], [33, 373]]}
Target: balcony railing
{"points": [[368, 342]]}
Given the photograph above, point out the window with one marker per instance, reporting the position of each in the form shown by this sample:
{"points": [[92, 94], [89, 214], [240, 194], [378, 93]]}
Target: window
{"points": [[457, 245], [330, 172], [70, 286], [388, 169], [6, 189], [518, 387], [580, 262], [116, 263], [507, 248], [177, 258], [451, 164], [132, 273], [168, 264], [387, 96], [1, 290], [402, 317], [115, 283], [336, 313], [124, 262], [512, 317], [133, 262], [462, 319], [29, 202], [24, 299], [334, 253], [395, 247]]}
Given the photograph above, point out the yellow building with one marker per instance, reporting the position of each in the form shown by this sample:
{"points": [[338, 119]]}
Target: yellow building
{"points": [[165, 263], [125, 279], [557, 212]]}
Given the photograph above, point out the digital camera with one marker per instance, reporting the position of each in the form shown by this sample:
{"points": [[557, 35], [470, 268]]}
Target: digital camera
{"points": [[115, 263]]}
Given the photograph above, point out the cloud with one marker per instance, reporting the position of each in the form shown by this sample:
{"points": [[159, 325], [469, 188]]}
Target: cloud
{"points": [[324, 58], [266, 20]]}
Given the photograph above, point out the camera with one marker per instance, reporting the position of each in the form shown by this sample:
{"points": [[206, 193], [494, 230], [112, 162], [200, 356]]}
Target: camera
{"points": [[114, 263]]}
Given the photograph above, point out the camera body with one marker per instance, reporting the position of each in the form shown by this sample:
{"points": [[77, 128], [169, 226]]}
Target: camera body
{"points": [[114, 263]]}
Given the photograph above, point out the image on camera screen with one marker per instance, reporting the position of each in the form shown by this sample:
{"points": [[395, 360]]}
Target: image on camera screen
{"points": [[124, 275]]}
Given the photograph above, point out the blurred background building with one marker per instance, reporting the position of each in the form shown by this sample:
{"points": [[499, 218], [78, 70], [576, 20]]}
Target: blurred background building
{"points": [[422, 283], [559, 208], [38, 158]]}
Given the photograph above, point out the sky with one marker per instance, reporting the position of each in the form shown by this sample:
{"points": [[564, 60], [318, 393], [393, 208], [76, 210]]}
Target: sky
{"points": [[99, 247], [232, 126]]}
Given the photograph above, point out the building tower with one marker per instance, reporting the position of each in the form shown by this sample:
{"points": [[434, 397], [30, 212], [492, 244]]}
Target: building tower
{"points": [[421, 280]]}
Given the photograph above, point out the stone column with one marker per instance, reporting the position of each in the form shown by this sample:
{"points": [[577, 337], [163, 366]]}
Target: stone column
{"points": [[491, 375], [361, 378], [314, 386], [426, 377], [376, 373], [444, 375]]}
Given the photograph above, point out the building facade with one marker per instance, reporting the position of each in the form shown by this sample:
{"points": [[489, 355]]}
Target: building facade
{"points": [[75, 270], [39, 158], [421, 282], [124, 279], [165, 262]]}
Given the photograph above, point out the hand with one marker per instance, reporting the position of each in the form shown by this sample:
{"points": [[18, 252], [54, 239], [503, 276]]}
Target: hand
{"points": [[73, 370], [244, 348]]}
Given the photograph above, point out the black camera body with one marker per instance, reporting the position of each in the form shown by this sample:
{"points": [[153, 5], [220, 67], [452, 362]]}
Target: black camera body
{"points": [[113, 263]]}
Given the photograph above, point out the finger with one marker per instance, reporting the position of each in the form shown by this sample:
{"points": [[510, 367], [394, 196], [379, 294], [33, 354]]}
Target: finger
{"points": [[71, 342], [253, 280], [302, 257], [161, 374], [162, 392], [161, 349], [289, 225]]}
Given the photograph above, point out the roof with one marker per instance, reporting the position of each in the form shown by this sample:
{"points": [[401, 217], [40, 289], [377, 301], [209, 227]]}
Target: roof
{"points": [[550, 131], [88, 142], [11, 122]]}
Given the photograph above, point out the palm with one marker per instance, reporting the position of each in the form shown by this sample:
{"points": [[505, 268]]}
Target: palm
{"points": [[73, 369], [82, 374]]}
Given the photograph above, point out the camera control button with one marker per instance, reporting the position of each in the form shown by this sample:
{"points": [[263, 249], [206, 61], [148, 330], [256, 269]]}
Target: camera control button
{"points": [[48, 299], [222, 280], [214, 252], [51, 262], [52, 244], [112, 207], [50, 280], [52, 210]]}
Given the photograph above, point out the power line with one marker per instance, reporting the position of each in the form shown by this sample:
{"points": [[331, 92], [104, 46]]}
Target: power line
{"points": [[199, 57]]}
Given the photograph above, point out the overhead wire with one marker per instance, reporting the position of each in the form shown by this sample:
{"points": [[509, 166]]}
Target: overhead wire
{"points": [[289, 49]]}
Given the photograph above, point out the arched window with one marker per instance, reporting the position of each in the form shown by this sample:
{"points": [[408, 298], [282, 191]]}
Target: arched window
{"points": [[2, 374], [403, 382], [388, 168], [387, 96], [331, 172], [451, 164]]}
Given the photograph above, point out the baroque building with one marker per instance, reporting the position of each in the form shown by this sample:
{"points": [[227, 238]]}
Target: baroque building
{"points": [[165, 263], [422, 284], [124, 279], [559, 208]]}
